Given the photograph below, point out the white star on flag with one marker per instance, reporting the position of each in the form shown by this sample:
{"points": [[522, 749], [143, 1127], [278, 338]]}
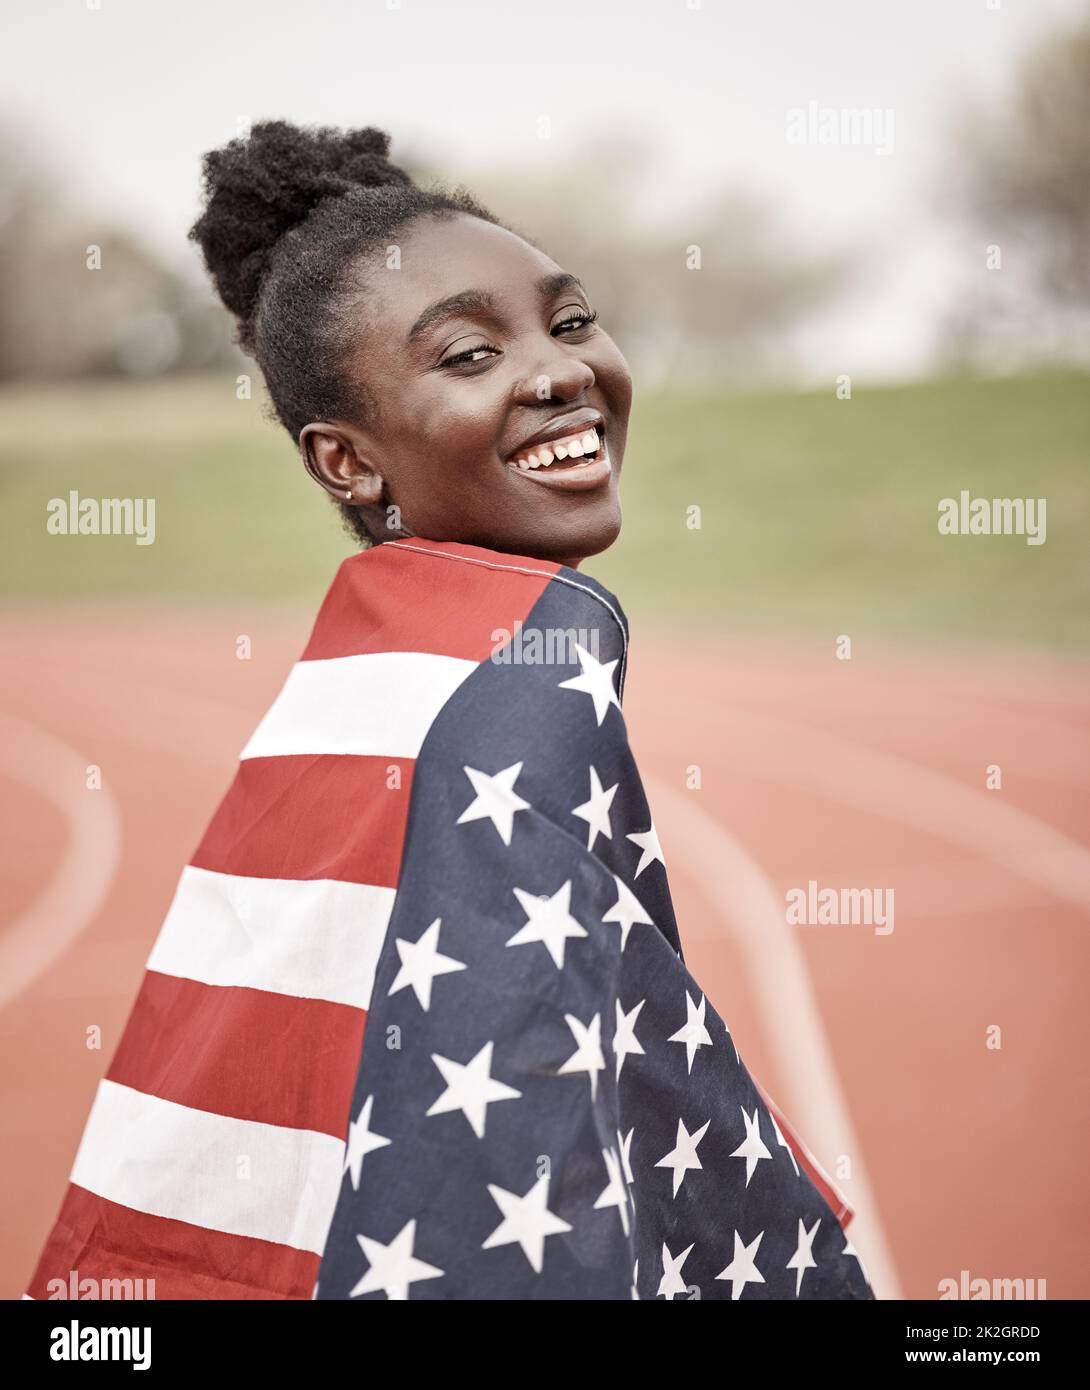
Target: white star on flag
{"points": [[682, 1157], [671, 1281], [527, 1220], [627, 910], [361, 1141], [693, 1033], [732, 1042], [470, 1088], [648, 842], [803, 1258], [547, 921], [596, 811], [615, 1194], [595, 680], [588, 1049], [496, 799], [421, 962], [849, 1249], [626, 1154], [783, 1143], [752, 1148], [742, 1270], [393, 1267], [625, 1042]]}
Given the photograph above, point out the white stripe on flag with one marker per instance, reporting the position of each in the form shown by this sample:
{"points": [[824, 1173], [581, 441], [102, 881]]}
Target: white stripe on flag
{"points": [[309, 938], [169, 1160], [381, 704]]}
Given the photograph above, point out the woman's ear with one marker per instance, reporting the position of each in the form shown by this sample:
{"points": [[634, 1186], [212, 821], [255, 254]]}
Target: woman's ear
{"points": [[335, 462]]}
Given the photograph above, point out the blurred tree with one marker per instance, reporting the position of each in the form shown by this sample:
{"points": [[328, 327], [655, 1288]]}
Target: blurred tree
{"points": [[69, 309], [1019, 175]]}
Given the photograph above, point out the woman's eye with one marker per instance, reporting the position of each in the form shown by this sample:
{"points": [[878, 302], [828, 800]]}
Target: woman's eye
{"points": [[579, 319], [467, 355]]}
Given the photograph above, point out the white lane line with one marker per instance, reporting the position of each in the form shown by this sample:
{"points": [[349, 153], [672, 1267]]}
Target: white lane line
{"points": [[888, 785], [78, 886], [76, 890], [735, 887]]}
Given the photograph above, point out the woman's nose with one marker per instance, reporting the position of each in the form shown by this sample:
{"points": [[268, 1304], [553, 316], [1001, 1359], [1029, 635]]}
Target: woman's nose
{"points": [[559, 374]]}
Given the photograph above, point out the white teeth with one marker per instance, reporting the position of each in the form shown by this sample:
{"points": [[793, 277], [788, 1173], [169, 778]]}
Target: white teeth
{"points": [[574, 447]]}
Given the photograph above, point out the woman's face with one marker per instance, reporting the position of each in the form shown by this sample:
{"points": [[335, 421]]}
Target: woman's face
{"points": [[473, 350]]}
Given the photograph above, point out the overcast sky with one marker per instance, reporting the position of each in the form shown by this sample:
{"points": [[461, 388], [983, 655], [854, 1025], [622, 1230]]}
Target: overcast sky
{"points": [[128, 94]]}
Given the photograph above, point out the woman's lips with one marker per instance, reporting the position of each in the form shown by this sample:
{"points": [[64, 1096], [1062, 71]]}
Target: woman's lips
{"points": [[570, 475]]}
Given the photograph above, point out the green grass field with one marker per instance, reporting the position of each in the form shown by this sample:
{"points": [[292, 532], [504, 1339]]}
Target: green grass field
{"points": [[818, 516]]}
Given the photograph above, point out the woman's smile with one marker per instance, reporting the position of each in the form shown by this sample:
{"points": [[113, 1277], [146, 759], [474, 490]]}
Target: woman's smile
{"points": [[576, 475], [569, 453]]}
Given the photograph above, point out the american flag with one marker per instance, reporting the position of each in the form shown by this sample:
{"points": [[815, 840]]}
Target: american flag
{"points": [[418, 1022]]}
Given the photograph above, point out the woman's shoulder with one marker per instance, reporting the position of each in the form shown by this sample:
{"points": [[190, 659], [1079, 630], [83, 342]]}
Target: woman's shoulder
{"points": [[451, 585], [444, 601]]}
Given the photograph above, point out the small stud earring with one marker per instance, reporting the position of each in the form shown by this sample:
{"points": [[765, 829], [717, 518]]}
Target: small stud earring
{"points": [[348, 496]]}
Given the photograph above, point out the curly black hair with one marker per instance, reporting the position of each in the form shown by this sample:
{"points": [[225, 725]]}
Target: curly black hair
{"points": [[287, 209]]}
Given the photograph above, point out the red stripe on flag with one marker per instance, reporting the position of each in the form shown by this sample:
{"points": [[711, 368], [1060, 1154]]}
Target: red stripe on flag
{"points": [[290, 1061], [93, 1238], [417, 597], [311, 815], [806, 1160]]}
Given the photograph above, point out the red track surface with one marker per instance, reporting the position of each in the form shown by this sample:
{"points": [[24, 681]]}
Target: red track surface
{"points": [[861, 773]]}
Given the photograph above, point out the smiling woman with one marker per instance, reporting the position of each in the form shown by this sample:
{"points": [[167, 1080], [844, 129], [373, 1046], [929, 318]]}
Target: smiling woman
{"points": [[418, 1022], [416, 348]]}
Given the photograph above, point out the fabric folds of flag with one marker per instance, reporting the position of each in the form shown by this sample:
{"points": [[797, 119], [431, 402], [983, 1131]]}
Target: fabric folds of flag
{"points": [[418, 1022]]}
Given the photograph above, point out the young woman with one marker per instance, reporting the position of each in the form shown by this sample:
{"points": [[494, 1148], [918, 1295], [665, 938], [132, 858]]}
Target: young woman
{"points": [[418, 1023]]}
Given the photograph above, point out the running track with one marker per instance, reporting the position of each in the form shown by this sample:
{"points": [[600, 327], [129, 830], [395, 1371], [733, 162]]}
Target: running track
{"points": [[862, 773]]}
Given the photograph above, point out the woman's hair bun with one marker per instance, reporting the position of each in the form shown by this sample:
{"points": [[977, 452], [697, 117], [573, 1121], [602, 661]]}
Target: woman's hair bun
{"points": [[258, 187]]}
